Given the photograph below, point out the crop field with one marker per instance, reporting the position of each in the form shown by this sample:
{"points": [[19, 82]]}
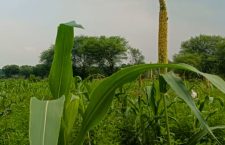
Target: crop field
{"points": [[130, 120], [100, 90]]}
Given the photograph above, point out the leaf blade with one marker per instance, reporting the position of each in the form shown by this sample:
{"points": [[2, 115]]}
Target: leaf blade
{"points": [[196, 137], [45, 119], [61, 70], [102, 95], [182, 92]]}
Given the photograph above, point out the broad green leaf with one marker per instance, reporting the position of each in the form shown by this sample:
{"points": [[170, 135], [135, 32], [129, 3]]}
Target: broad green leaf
{"points": [[45, 119], [196, 137], [177, 85], [103, 93], [61, 70]]}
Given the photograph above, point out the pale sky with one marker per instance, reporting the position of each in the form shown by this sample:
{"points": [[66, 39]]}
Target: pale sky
{"points": [[27, 27]]}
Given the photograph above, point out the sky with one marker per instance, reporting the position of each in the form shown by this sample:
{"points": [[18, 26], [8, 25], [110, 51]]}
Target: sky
{"points": [[27, 27]]}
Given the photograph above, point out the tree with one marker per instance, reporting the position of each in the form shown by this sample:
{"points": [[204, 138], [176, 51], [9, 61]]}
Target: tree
{"points": [[135, 56], [40, 70], [83, 55], [102, 52], [204, 52], [26, 70], [220, 53], [47, 56], [1, 73], [91, 55], [10, 70]]}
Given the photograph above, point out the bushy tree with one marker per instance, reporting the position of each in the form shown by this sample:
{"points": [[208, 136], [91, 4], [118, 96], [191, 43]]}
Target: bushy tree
{"points": [[26, 70], [102, 52], [204, 52], [1, 73], [40, 70], [92, 55], [47, 56], [10, 70]]}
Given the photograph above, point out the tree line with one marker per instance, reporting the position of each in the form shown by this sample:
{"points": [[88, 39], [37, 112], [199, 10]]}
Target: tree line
{"points": [[205, 52], [90, 55], [105, 55]]}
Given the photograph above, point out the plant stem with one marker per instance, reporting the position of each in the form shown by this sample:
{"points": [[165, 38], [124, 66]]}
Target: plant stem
{"points": [[89, 139], [162, 35], [167, 121]]}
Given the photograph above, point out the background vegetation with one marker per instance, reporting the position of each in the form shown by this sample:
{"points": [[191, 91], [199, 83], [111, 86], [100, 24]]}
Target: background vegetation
{"points": [[130, 120], [90, 55]]}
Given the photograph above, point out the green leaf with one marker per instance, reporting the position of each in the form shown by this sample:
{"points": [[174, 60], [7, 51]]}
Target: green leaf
{"points": [[152, 95], [103, 93], [215, 80], [196, 137], [61, 70], [177, 85], [45, 119], [71, 112], [70, 115], [162, 85]]}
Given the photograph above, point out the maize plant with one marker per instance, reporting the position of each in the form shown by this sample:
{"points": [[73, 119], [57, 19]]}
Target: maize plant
{"points": [[51, 121]]}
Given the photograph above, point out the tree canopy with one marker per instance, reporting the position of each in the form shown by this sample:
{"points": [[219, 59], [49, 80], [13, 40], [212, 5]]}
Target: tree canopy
{"points": [[204, 52], [10, 70], [26, 70], [92, 55], [47, 56], [1, 73]]}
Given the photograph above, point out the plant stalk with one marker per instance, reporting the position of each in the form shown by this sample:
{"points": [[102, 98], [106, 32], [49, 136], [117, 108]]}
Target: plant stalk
{"points": [[162, 35], [167, 121]]}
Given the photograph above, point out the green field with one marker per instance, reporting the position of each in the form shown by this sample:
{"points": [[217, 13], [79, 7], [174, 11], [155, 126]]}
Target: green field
{"points": [[130, 120], [84, 93]]}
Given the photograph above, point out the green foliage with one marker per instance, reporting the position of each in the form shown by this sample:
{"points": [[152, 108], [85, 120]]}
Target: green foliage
{"points": [[97, 55], [104, 52], [177, 85], [204, 52], [26, 70], [40, 70], [46, 56], [60, 76], [196, 137], [117, 127], [15, 96], [94, 103], [45, 119], [60, 120], [10, 70], [1, 73], [102, 95]]}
